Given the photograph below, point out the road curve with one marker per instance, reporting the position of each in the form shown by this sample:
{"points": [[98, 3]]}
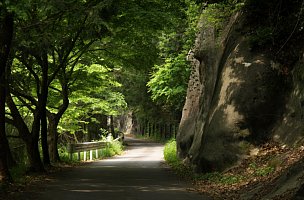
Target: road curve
{"points": [[138, 174]]}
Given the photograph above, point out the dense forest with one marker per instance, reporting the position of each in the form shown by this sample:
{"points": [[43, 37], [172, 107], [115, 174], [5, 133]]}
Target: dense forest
{"points": [[223, 77], [78, 70]]}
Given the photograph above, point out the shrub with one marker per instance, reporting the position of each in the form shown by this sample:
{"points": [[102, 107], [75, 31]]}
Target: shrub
{"points": [[170, 153], [112, 149], [170, 156]]}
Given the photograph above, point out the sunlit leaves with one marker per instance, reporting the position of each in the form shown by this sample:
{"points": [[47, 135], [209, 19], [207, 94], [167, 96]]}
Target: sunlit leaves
{"points": [[169, 81], [94, 92]]}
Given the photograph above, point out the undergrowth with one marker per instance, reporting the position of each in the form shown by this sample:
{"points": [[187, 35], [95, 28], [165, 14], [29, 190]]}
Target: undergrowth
{"points": [[112, 149], [19, 173], [253, 169], [260, 169], [170, 156]]}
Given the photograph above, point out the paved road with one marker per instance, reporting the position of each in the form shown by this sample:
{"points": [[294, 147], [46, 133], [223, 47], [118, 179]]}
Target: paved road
{"points": [[137, 175]]}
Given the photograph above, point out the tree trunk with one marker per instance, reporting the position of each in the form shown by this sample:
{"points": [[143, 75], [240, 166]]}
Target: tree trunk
{"points": [[42, 101], [30, 138], [44, 142], [6, 33], [32, 144], [53, 137], [32, 149], [112, 127], [54, 121]]}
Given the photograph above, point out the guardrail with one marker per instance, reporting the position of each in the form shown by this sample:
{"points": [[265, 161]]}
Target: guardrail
{"points": [[89, 146]]}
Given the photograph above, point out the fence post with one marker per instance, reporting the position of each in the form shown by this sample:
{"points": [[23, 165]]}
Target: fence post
{"points": [[84, 155], [91, 155]]}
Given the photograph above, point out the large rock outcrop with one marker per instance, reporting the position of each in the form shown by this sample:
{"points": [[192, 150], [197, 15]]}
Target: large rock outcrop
{"points": [[237, 98]]}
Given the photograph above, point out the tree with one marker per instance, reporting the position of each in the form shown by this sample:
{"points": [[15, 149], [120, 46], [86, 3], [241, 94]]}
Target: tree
{"points": [[169, 79], [93, 92], [50, 38], [168, 84], [6, 34], [53, 37]]}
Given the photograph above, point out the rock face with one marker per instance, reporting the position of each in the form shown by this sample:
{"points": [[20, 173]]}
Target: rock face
{"points": [[236, 98]]}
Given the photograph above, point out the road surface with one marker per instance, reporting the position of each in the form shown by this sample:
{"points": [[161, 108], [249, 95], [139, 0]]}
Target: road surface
{"points": [[138, 174]]}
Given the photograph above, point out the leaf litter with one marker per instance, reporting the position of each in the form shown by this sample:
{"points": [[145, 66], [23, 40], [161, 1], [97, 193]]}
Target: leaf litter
{"points": [[273, 172]]}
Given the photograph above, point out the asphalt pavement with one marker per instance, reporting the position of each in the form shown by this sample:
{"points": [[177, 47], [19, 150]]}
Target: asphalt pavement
{"points": [[138, 174]]}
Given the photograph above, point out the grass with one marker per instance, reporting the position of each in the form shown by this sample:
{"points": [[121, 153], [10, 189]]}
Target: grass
{"points": [[257, 171], [19, 172], [112, 149], [170, 155], [21, 177]]}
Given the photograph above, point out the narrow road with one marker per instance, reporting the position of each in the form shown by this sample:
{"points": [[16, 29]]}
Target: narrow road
{"points": [[138, 174]]}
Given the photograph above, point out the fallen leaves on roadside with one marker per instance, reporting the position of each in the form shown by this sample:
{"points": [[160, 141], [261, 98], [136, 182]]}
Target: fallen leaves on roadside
{"points": [[254, 176]]}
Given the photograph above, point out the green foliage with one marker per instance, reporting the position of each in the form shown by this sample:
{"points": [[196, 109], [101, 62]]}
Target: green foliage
{"points": [[65, 156], [103, 132], [87, 46], [170, 153], [94, 92], [169, 82], [220, 178], [112, 149], [228, 178], [261, 170], [218, 14], [170, 156]]}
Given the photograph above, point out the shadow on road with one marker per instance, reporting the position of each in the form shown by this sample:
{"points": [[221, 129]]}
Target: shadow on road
{"points": [[137, 174]]}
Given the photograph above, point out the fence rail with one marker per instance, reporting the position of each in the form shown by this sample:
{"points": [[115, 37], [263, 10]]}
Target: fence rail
{"points": [[88, 146]]}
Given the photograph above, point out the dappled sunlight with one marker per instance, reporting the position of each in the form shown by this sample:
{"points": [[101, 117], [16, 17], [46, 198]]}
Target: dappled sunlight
{"points": [[137, 174]]}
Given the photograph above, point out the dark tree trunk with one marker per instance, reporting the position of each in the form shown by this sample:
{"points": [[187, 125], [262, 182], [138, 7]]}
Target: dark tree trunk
{"points": [[53, 137], [6, 33], [104, 121], [32, 149], [32, 144], [44, 139], [149, 129], [42, 109], [112, 127], [54, 121], [30, 138]]}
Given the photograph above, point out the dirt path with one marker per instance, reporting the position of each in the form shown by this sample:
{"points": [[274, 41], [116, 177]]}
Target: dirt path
{"points": [[138, 174]]}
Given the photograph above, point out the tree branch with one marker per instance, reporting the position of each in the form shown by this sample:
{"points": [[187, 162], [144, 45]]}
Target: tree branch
{"points": [[28, 97]]}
